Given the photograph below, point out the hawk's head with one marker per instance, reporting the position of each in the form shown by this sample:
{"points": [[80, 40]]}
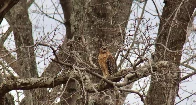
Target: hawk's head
{"points": [[103, 49]]}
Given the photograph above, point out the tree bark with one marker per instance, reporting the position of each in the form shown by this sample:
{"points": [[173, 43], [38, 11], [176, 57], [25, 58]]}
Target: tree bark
{"points": [[92, 24], [5, 6], [18, 19], [170, 40]]}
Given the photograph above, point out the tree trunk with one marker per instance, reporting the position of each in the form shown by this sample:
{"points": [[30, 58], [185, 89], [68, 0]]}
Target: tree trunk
{"points": [[91, 24], [170, 40], [18, 19]]}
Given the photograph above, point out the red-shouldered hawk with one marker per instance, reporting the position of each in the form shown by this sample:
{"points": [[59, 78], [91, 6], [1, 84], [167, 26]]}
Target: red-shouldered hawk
{"points": [[106, 62]]}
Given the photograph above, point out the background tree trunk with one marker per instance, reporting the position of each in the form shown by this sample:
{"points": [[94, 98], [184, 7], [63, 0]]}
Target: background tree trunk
{"points": [[18, 19], [170, 40]]}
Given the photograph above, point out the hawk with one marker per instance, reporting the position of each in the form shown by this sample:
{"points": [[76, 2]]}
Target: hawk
{"points": [[106, 62]]}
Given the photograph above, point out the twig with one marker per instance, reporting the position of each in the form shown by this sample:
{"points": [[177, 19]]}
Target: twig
{"points": [[136, 92], [185, 98], [52, 48], [5, 36], [142, 59], [194, 56], [156, 9], [187, 76], [47, 14], [56, 9], [172, 24], [99, 76], [188, 66], [134, 36], [167, 49]]}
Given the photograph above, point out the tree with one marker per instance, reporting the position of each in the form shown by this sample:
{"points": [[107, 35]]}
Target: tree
{"points": [[6, 6], [73, 75]]}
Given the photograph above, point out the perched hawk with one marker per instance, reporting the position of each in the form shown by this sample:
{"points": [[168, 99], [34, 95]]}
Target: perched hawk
{"points": [[106, 62]]}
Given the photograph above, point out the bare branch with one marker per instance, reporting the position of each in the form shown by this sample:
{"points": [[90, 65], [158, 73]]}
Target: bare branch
{"points": [[187, 60], [130, 75], [134, 36], [187, 76], [52, 48], [47, 14], [188, 66], [4, 37], [32, 83], [156, 9], [50, 82], [136, 92], [185, 98]]}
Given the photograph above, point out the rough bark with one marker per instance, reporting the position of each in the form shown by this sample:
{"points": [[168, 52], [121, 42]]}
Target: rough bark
{"points": [[5, 6], [170, 40], [51, 82], [20, 23], [94, 23], [85, 29]]}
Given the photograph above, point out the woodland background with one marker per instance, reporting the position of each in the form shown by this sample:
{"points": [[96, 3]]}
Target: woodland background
{"points": [[49, 48]]}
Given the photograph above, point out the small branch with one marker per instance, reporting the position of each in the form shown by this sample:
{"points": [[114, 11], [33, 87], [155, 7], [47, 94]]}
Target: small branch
{"points": [[187, 60], [52, 48], [134, 36], [185, 98], [187, 76], [4, 37], [127, 60], [156, 9], [167, 49], [56, 9], [47, 14], [188, 66], [129, 75], [63, 63], [136, 92], [99, 76], [142, 55]]}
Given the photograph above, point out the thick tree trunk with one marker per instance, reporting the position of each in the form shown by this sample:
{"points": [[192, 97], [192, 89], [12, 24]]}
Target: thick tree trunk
{"points": [[20, 23], [87, 25], [91, 24], [170, 40]]}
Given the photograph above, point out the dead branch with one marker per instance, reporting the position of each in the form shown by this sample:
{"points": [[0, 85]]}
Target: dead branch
{"points": [[50, 82]]}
